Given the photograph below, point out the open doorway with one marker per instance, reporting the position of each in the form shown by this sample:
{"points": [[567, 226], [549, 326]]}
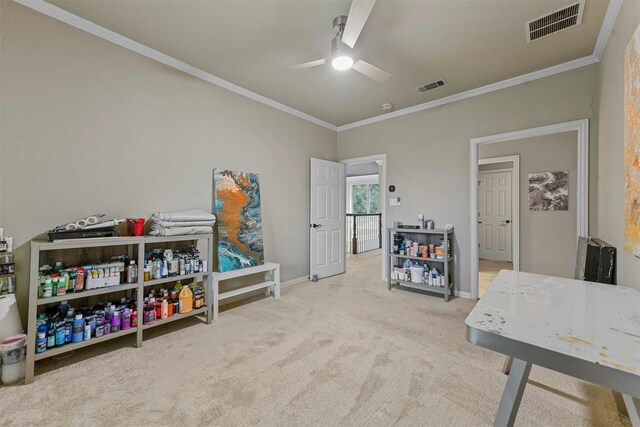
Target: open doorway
{"points": [[365, 214], [498, 216], [548, 207]]}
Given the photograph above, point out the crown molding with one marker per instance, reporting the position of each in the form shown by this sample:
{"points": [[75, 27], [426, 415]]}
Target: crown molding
{"points": [[607, 27], [545, 72], [92, 28], [598, 50], [95, 29]]}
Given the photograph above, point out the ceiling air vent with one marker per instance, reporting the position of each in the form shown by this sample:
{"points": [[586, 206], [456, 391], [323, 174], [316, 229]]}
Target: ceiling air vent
{"points": [[556, 21], [431, 86]]}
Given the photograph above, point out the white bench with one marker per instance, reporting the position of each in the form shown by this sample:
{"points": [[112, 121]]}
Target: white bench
{"points": [[271, 272]]}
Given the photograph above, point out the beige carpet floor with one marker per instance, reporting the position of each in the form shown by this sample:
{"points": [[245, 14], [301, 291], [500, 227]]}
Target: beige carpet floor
{"points": [[342, 351]]}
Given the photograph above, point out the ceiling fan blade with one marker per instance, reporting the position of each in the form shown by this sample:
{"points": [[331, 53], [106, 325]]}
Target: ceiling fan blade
{"points": [[371, 71], [308, 64], [358, 14]]}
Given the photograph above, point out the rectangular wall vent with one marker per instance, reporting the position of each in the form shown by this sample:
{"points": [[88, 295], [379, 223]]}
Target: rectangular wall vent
{"points": [[556, 21], [431, 86]]}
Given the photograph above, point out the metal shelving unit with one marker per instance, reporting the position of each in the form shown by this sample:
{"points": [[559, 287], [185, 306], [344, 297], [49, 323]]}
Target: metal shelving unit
{"points": [[426, 236], [38, 247]]}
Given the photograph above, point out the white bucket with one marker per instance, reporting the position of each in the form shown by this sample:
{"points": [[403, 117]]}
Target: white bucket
{"points": [[9, 318], [12, 353], [416, 273]]}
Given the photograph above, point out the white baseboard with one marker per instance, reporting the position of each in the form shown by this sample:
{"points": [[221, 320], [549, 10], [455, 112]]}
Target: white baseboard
{"points": [[462, 294], [294, 281]]}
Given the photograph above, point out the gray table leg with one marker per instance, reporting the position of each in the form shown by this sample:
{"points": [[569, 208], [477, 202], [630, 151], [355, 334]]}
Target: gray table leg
{"points": [[506, 368], [622, 409], [512, 395], [633, 408]]}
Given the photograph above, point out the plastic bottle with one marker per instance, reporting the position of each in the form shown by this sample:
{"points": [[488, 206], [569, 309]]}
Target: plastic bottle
{"points": [[185, 303], [126, 319], [60, 334], [78, 329], [87, 332], [51, 335], [132, 272], [164, 312], [116, 322], [41, 337]]}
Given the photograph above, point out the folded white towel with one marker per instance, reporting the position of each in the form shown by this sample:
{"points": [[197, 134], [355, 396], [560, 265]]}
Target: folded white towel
{"points": [[193, 215], [172, 224], [179, 231]]}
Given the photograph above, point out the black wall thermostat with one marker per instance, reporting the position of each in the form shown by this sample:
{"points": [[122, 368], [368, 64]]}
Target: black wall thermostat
{"points": [[392, 188]]}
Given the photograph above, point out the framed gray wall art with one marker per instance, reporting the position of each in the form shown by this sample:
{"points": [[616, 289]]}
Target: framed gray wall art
{"points": [[549, 191]]}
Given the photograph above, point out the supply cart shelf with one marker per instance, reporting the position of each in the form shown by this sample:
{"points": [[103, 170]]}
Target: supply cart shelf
{"points": [[406, 284], [419, 258], [199, 275], [174, 318], [439, 236], [86, 294], [71, 347]]}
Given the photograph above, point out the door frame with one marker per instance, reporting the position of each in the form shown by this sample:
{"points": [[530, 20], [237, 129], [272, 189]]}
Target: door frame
{"points": [[381, 159], [582, 193], [515, 202]]}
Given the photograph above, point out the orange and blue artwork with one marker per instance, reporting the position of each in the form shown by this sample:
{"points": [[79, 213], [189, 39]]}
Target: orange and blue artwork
{"points": [[236, 197], [632, 144]]}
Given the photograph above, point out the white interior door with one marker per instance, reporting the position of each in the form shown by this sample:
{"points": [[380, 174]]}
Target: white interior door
{"points": [[327, 218], [494, 216]]}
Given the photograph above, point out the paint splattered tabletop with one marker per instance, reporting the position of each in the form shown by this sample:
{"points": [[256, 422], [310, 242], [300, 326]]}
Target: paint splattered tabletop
{"points": [[595, 322]]}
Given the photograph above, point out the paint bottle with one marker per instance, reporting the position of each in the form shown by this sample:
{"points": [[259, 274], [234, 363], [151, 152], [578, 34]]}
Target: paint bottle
{"points": [[116, 322], [132, 272], [78, 329], [87, 331], [164, 312], [126, 319], [185, 300], [99, 328], [51, 335], [60, 334], [41, 337]]}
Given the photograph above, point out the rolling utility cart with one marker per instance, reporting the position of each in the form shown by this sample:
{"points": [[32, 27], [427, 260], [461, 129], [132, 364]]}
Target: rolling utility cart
{"points": [[423, 237]]}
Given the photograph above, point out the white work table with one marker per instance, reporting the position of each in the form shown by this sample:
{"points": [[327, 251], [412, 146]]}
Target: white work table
{"points": [[587, 330]]}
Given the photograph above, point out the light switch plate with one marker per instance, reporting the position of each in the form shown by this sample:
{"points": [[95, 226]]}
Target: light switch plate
{"points": [[394, 201]]}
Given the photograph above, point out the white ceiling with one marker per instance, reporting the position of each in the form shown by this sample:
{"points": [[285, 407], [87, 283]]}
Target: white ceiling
{"points": [[468, 43]]}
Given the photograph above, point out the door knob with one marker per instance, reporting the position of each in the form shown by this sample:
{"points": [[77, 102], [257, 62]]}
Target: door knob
{"points": [[316, 225], [508, 221]]}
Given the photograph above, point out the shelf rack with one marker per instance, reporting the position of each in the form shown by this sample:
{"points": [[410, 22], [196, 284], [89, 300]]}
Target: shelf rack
{"points": [[445, 263], [141, 242]]}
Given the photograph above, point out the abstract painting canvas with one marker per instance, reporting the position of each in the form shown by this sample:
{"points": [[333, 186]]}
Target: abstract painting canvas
{"points": [[237, 205], [549, 191], [632, 145]]}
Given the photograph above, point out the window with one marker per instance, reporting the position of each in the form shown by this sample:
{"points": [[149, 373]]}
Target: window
{"points": [[363, 194], [364, 198]]}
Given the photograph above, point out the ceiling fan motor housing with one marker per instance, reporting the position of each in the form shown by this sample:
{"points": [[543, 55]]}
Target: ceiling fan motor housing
{"points": [[339, 23]]}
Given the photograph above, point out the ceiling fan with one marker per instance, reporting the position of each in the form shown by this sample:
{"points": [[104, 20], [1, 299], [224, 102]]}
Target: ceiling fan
{"points": [[348, 30]]}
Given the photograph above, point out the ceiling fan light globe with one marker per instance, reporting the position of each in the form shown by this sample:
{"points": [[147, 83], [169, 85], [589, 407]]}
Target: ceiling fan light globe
{"points": [[342, 62]]}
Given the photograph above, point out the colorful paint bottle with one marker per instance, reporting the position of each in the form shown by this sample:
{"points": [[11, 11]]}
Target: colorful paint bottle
{"points": [[185, 302], [116, 322], [78, 329], [126, 319]]}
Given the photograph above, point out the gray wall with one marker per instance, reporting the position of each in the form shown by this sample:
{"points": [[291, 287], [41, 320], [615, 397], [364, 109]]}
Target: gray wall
{"points": [[610, 150], [88, 126], [360, 169], [429, 159], [547, 238]]}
